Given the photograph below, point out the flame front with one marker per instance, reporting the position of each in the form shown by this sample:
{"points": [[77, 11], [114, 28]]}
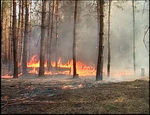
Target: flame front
{"points": [[67, 69], [82, 68]]}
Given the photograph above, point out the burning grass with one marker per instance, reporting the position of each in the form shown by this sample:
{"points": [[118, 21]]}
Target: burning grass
{"points": [[62, 94], [65, 69]]}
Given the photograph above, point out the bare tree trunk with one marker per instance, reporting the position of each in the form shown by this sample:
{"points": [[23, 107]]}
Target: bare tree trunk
{"points": [[5, 30], [1, 22], [51, 33], [74, 41], [19, 22], [5, 57], [99, 73], [42, 43], [134, 66], [108, 65], [22, 32], [24, 60], [14, 29], [29, 35], [18, 33], [10, 41], [48, 34], [56, 13]]}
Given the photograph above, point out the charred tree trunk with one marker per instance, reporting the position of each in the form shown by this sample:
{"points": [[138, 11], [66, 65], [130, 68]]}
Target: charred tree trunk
{"points": [[24, 60], [42, 43], [99, 73], [51, 33], [134, 66], [109, 54], [14, 30], [74, 41]]}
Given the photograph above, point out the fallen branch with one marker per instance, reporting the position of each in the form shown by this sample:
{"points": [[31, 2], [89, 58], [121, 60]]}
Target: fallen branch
{"points": [[4, 105]]}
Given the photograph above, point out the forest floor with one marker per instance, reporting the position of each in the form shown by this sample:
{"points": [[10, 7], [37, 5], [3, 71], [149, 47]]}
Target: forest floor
{"points": [[65, 95]]}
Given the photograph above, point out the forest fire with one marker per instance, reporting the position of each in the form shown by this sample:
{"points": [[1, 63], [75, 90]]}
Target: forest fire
{"points": [[89, 56], [10, 76], [67, 69], [82, 68]]}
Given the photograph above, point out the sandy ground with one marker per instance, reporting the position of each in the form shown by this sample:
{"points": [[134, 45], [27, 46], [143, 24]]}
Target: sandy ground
{"points": [[63, 94]]}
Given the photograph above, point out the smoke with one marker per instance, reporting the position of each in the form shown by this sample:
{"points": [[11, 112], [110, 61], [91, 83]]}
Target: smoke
{"points": [[87, 35], [121, 38]]}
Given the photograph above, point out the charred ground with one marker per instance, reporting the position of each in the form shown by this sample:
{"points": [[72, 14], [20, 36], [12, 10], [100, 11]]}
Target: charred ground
{"points": [[59, 95]]}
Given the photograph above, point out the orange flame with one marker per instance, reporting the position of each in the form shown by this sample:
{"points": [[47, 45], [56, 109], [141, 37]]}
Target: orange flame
{"points": [[7, 76], [82, 69]]}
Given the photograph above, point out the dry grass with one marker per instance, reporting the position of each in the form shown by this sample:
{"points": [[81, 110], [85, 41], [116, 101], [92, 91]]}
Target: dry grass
{"points": [[111, 98]]}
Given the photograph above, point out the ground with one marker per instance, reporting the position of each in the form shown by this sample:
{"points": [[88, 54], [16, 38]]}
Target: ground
{"points": [[64, 95]]}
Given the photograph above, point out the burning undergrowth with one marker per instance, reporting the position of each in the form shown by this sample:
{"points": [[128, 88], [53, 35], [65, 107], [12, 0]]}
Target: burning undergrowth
{"points": [[83, 69]]}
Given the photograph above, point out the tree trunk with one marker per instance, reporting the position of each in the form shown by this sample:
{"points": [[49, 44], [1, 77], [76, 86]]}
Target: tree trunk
{"points": [[133, 4], [99, 73], [14, 30], [22, 31], [51, 33], [74, 41], [48, 34], [108, 65], [42, 43], [29, 35], [5, 19], [18, 34], [10, 41], [6, 41], [56, 13], [24, 60]]}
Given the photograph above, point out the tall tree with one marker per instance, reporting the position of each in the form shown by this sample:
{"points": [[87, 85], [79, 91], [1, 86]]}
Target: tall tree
{"points": [[51, 33], [18, 33], [133, 5], [5, 19], [42, 41], [14, 30], [22, 31], [99, 72], [48, 33], [56, 20], [10, 41], [74, 40], [109, 54], [26, 35]]}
